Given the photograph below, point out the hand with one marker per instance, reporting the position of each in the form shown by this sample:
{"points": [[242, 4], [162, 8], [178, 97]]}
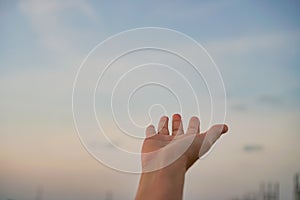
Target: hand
{"points": [[177, 147], [163, 173]]}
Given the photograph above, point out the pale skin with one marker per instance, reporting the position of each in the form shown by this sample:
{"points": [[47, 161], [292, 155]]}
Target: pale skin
{"points": [[168, 182]]}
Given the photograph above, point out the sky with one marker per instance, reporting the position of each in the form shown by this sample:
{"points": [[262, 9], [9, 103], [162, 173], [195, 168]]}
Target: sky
{"points": [[255, 45]]}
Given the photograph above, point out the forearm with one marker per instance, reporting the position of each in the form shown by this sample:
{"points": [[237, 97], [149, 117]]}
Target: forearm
{"points": [[166, 183]]}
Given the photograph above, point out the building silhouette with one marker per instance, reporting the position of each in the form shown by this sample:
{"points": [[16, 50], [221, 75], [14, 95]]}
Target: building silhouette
{"points": [[268, 191], [39, 193], [109, 195], [297, 187]]}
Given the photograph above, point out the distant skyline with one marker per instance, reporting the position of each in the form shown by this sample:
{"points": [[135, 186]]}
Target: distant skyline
{"points": [[42, 43]]}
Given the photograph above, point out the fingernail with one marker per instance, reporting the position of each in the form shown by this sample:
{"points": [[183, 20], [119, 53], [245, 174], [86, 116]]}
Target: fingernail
{"points": [[225, 129], [176, 116]]}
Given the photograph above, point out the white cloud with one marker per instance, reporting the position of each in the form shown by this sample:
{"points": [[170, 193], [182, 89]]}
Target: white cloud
{"points": [[254, 43], [184, 11], [47, 19]]}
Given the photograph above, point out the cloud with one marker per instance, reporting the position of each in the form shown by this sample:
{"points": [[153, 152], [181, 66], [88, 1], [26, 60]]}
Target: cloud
{"points": [[47, 19], [239, 107], [270, 100], [253, 43], [253, 148], [186, 11]]}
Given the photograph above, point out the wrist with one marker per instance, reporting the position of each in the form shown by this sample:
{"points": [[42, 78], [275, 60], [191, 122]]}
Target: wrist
{"points": [[177, 168], [165, 183]]}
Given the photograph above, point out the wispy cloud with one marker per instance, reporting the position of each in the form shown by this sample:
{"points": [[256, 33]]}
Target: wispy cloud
{"points": [[270, 100], [48, 19], [196, 10], [253, 148], [272, 41], [239, 107]]}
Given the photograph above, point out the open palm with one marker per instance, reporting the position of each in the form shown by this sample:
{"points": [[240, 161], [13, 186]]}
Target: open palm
{"points": [[162, 148]]}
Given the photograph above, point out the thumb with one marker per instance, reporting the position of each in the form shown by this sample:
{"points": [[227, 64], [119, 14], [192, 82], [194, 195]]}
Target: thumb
{"points": [[210, 137]]}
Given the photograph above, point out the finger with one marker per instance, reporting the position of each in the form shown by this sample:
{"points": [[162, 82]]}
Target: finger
{"points": [[150, 131], [211, 136], [177, 128], [194, 126], [163, 125]]}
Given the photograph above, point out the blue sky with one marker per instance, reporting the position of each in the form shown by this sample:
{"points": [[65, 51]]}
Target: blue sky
{"points": [[255, 45]]}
